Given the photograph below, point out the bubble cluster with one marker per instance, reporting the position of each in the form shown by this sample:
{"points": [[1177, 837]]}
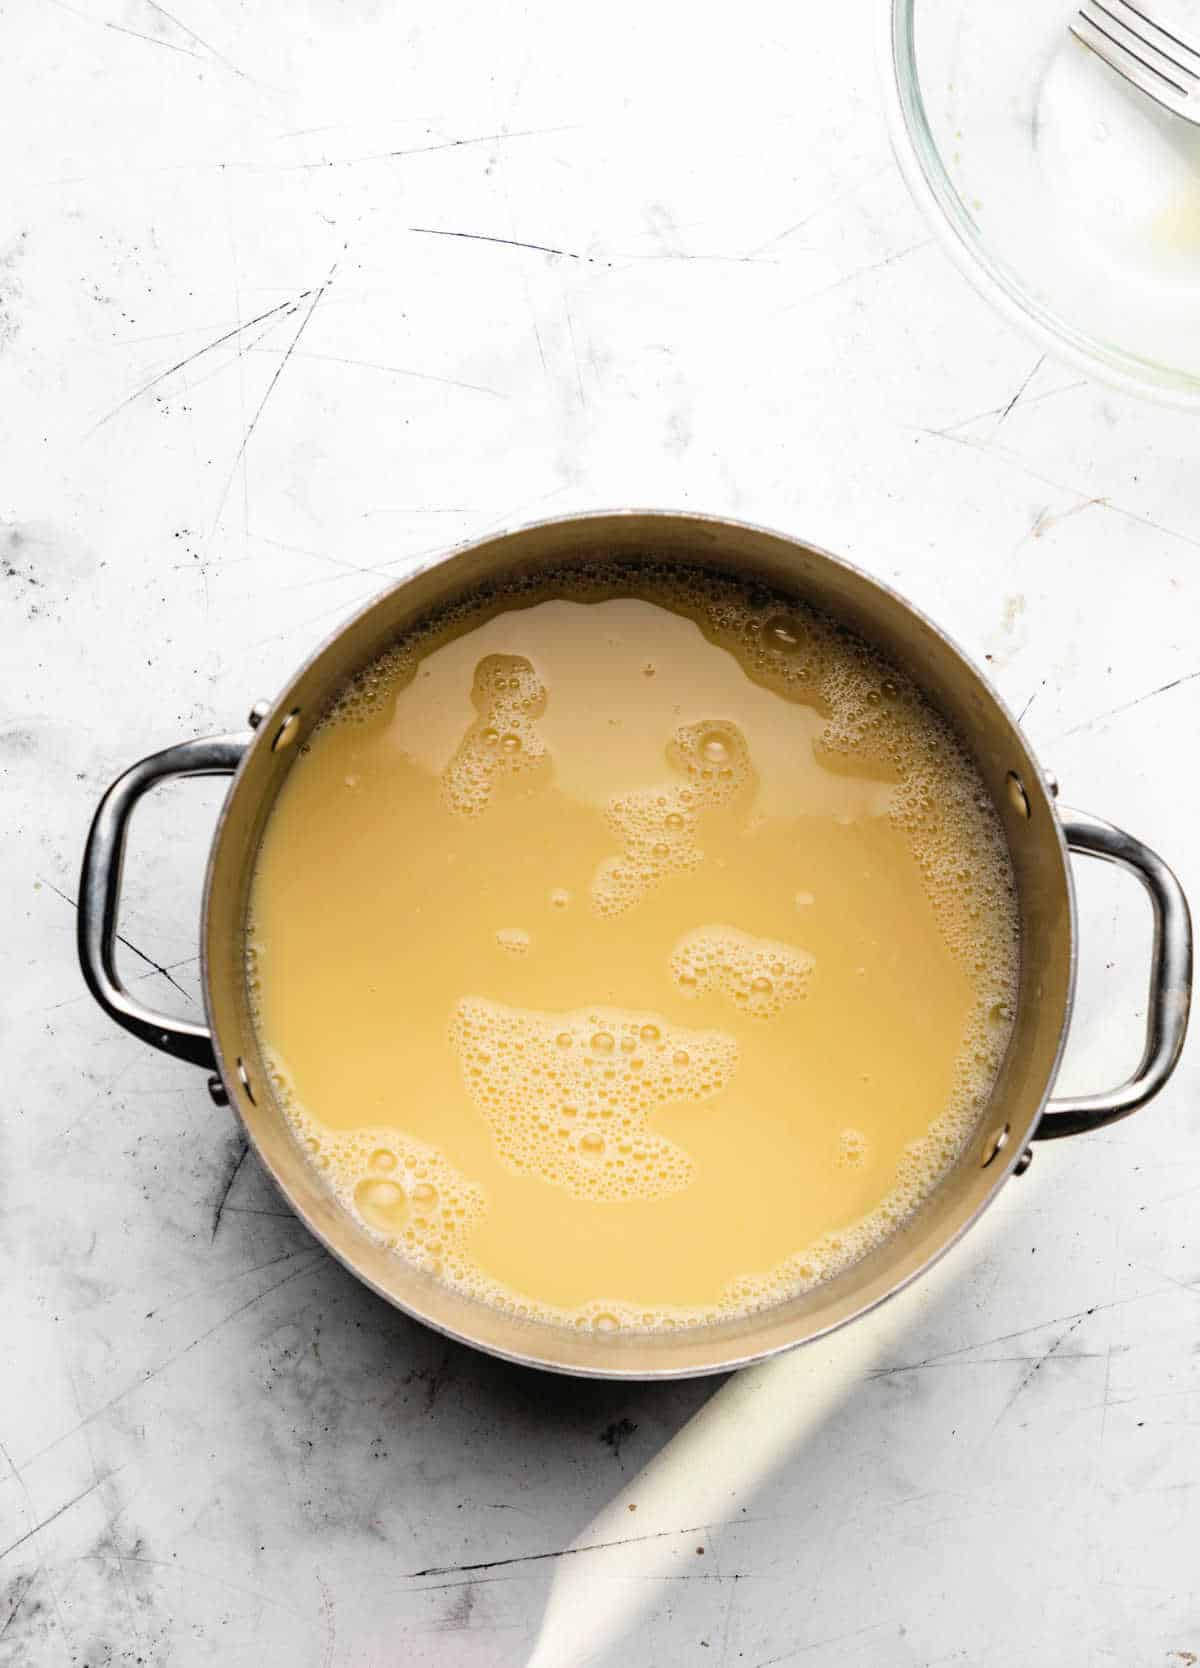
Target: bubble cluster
{"points": [[760, 975], [567, 1095], [509, 697], [659, 827], [513, 939], [405, 1193], [853, 1149], [876, 718]]}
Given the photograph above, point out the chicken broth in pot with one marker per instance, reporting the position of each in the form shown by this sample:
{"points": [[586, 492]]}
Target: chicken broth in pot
{"points": [[632, 947]]}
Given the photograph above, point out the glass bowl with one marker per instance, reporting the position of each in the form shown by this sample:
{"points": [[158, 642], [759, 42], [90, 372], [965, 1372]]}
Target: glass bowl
{"points": [[1069, 198]]}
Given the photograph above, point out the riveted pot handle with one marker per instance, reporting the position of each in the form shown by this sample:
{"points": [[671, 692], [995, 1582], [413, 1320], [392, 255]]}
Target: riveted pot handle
{"points": [[1170, 980], [100, 891]]}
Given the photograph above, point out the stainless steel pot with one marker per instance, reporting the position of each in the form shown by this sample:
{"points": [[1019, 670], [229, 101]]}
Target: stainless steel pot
{"points": [[1039, 837]]}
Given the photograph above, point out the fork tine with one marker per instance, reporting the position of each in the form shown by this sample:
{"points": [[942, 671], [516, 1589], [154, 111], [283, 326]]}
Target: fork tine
{"points": [[1109, 16], [1135, 68], [1191, 59]]}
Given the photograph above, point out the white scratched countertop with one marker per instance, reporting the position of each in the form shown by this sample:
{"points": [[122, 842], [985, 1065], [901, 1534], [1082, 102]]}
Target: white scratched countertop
{"points": [[290, 295]]}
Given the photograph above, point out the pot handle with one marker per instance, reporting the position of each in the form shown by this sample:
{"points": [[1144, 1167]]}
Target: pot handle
{"points": [[1170, 980], [100, 891]]}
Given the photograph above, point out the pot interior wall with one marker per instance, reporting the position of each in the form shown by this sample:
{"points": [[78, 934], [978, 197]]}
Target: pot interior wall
{"points": [[1039, 861]]}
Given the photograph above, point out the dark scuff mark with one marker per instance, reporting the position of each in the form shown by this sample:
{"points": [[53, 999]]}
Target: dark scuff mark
{"points": [[458, 1618], [1012, 403], [38, 1527], [16, 1598], [243, 1147], [616, 1434], [561, 1552]]}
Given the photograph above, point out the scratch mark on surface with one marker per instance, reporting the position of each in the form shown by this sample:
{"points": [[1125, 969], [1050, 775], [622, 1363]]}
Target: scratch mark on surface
{"points": [[21, 1597], [402, 370], [254, 167], [172, 335], [342, 607], [316, 555], [121, 939], [562, 1552], [150, 1373], [689, 256], [939, 1364], [271, 387], [38, 1527], [1014, 461], [218, 57], [1038, 1364], [424, 150], [1012, 403], [575, 355], [109, 1531], [284, 307], [1171, 1198], [228, 1189], [1030, 701], [508, 242], [1005, 1337], [1180, 1285], [1045, 518], [130, 1607], [209, 1286], [657, 1578], [486, 139], [502, 171], [733, 1593], [256, 1210], [69, 1001], [832, 1639], [158, 40], [994, 411], [235, 260], [151, 40], [202, 1575], [1128, 706], [587, 260], [30, 1514], [120, 29], [306, 132], [821, 208], [862, 271]]}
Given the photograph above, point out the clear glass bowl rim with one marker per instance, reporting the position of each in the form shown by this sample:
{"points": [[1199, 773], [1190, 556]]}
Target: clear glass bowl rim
{"points": [[925, 173]]}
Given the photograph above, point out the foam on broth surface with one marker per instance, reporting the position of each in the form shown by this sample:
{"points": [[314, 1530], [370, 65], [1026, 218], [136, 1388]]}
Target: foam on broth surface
{"points": [[632, 950]]}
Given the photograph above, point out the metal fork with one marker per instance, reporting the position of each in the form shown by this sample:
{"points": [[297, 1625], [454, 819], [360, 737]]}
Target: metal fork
{"points": [[1151, 57]]}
